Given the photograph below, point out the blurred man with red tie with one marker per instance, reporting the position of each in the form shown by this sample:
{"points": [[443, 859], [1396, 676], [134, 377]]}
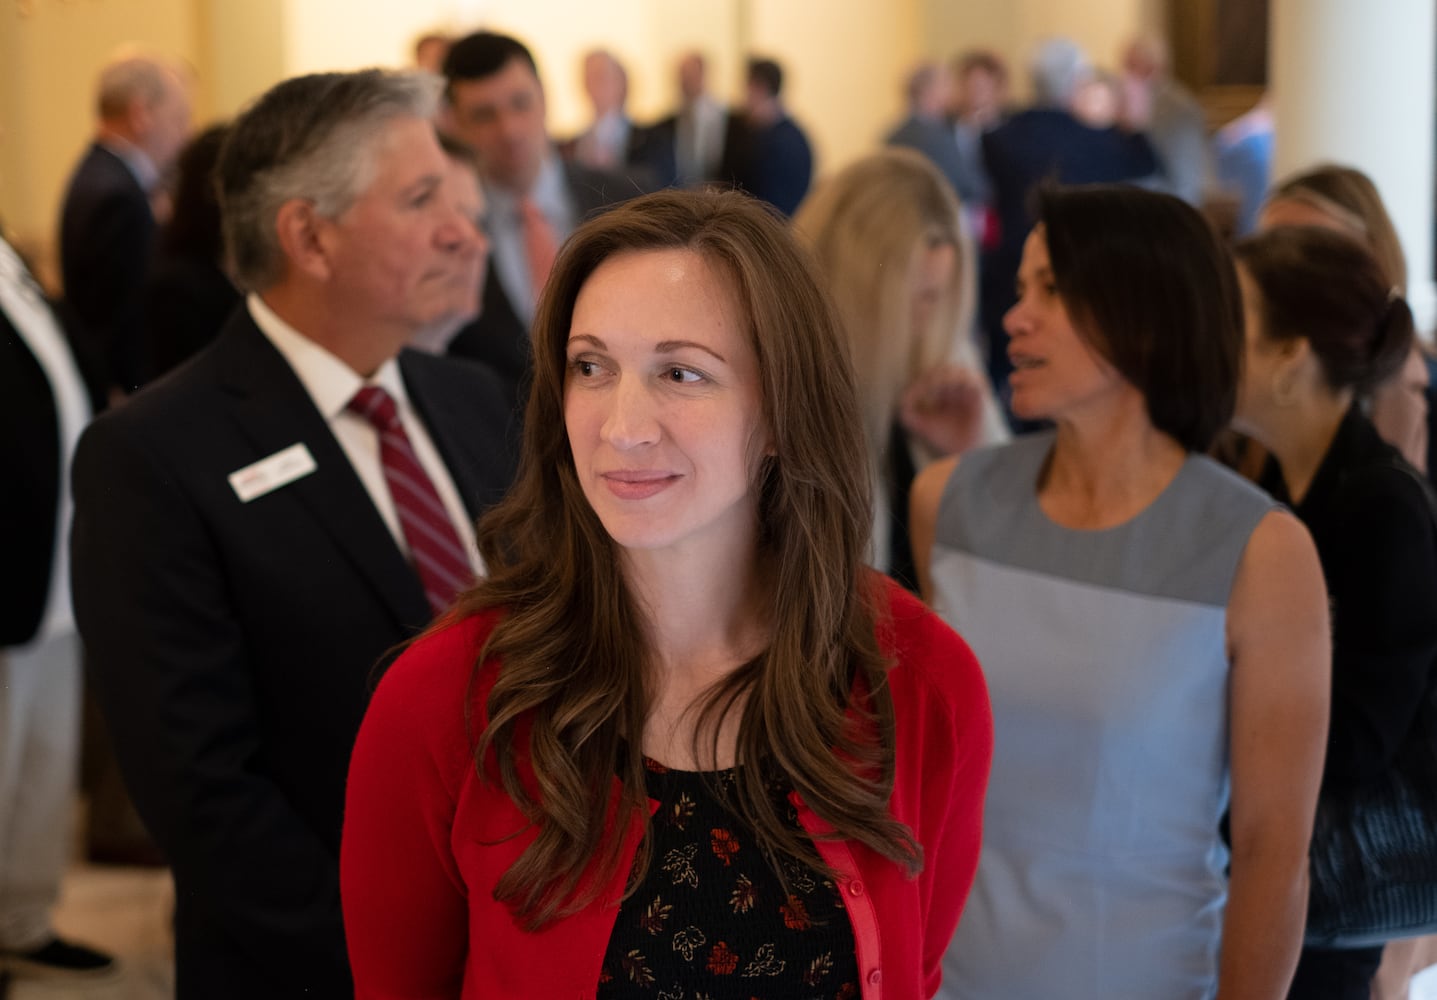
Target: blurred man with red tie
{"points": [[535, 198], [255, 534]]}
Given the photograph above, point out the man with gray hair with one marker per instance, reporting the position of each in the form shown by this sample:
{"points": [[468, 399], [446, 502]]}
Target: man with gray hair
{"points": [[107, 226], [255, 534], [1046, 143]]}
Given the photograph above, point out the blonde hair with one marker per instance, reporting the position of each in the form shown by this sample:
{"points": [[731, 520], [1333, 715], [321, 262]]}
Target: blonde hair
{"points": [[867, 227], [1348, 197]]}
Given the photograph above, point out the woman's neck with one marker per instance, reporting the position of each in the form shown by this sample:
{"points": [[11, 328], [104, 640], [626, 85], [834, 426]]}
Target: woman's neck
{"points": [[705, 619], [1300, 435], [1105, 471]]}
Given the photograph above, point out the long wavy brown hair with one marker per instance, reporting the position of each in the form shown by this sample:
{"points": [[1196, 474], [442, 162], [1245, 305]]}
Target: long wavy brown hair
{"points": [[576, 684]]}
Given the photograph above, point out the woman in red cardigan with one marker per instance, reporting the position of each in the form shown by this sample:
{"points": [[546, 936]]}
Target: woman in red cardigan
{"points": [[680, 742]]}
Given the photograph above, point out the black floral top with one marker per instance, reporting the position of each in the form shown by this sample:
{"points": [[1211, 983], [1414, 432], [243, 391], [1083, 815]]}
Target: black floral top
{"points": [[712, 921]]}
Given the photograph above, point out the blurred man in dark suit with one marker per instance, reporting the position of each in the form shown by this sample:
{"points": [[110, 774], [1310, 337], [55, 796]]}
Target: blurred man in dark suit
{"points": [[257, 532], [107, 225], [535, 198], [700, 129], [613, 142], [770, 157]]}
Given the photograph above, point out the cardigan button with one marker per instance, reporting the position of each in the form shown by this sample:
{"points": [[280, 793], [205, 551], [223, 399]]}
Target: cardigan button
{"points": [[855, 888], [875, 977]]}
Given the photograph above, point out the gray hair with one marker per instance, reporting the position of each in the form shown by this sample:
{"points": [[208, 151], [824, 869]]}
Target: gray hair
{"points": [[132, 78], [313, 138], [1058, 68]]}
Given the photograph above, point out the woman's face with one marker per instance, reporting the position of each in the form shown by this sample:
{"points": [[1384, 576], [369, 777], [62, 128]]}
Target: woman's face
{"points": [[663, 404], [929, 278], [1056, 372], [1262, 365], [1399, 409]]}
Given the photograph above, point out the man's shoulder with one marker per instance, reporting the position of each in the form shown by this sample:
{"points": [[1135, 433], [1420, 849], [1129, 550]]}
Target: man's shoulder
{"points": [[100, 172], [909, 132], [459, 378]]}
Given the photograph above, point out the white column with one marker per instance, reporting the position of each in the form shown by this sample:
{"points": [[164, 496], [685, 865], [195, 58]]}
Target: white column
{"points": [[1353, 83]]}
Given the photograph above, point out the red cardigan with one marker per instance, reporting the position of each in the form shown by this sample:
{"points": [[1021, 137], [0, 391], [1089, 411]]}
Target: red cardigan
{"points": [[423, 835]]}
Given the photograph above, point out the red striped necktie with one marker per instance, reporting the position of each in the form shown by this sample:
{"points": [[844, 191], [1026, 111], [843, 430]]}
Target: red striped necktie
{"points": [[541, 245], [434, 545]]}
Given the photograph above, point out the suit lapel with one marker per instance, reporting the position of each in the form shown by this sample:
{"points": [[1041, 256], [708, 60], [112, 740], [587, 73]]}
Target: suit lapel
{"points": [[476, 452], [273, 411]]}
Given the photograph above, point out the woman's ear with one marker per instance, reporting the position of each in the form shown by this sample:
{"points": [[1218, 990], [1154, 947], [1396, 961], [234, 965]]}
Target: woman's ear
{"points": [[301, 236], [1295, 365]]}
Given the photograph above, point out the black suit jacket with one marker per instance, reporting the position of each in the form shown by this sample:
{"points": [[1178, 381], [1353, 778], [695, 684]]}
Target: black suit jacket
{"points": [[498, 337], [107, 234], [233, 646], [1046, 144], [30, 454]]}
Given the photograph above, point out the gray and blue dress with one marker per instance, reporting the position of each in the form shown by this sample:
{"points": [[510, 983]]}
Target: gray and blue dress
{"points": [[1102, 872]]}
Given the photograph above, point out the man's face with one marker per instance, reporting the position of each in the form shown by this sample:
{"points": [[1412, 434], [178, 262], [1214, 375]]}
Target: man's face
{"points": [[501, 117], [398, 253], [462, 185], [691, 77], [164, 126]]}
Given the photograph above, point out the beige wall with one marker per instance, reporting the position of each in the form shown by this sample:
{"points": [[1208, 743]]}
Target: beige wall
{"points": [[48, 61], [1013, 27], [844, 62], [244, 42]]}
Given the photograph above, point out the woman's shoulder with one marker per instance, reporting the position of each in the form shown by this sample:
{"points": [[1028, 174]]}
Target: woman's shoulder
{"points": [[931, 662], [432, 679], [1385, 480]]}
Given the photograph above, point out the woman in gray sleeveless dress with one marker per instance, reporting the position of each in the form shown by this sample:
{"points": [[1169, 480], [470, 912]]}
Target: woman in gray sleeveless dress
{"points": [[1153, 630]]}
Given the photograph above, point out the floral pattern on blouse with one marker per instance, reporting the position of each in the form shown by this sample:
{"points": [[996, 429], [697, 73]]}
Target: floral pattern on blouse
{"points": [[712, 920]]}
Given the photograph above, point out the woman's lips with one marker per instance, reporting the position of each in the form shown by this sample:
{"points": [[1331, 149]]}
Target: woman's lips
{"points": [[627, 485]]}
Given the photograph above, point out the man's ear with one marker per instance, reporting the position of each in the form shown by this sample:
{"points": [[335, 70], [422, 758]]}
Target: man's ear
{"points": [[301, 232], [140, 119]]}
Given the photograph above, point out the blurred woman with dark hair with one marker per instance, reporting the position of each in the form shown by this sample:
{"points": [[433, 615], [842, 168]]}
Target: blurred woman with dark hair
{"points": [[680, 740], [189, 294], [1153, 630], [1324, 325], [1345, 199]]}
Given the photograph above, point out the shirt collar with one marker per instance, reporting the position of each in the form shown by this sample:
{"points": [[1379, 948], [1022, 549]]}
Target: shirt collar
{"points": [[330, 382], [548, 192], [132, 156]]}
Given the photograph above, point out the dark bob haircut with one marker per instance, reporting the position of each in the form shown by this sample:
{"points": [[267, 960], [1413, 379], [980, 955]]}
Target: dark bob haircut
{"points": [[1148, 283]]}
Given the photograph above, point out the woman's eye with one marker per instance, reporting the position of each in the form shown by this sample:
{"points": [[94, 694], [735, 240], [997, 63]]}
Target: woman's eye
{"points": [[682, 376], [583, 368]]}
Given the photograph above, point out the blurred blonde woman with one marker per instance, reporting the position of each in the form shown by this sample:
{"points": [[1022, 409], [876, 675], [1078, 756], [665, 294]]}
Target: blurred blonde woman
{"points": [[888, 237], [1345, 199]]}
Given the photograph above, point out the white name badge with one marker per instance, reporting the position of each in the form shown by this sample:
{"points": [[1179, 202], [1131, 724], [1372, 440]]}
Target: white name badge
{"points": [[269, 474]]}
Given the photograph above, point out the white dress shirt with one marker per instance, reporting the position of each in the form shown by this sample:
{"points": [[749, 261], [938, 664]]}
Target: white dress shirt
{"points": [[331, 384], [699, 140]]}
